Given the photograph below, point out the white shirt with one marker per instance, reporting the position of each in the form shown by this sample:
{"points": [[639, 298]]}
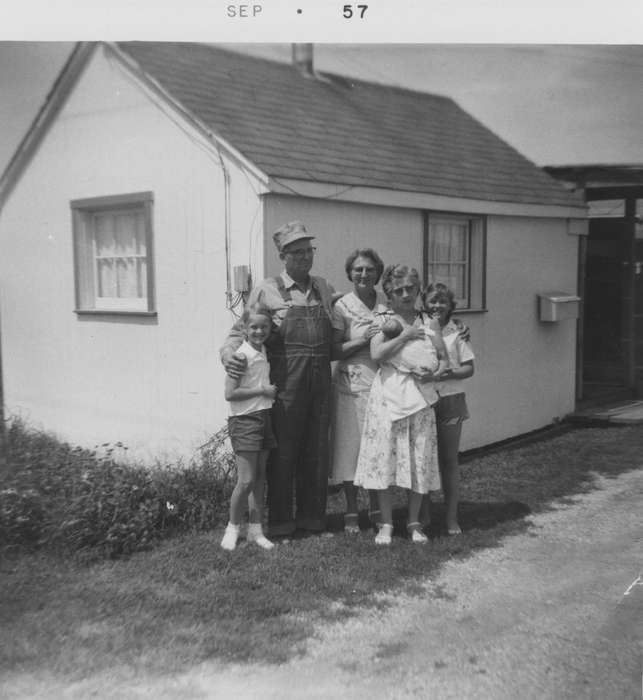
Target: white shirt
{"points": [[257, 374], [459, 351], [402, 394]]}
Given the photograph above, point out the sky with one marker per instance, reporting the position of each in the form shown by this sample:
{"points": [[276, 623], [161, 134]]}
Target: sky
{"points": [[557, 104]]}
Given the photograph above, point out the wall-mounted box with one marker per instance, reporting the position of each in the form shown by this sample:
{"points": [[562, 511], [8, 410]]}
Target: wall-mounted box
{"points": [[241, 276], [558, 306]]}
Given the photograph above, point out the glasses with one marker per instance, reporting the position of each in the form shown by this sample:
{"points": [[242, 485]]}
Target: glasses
{"points": [[409, 289], [301, 252]]}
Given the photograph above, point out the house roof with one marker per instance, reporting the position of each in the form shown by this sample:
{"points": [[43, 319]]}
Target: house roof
{"points": [[332, 129]]}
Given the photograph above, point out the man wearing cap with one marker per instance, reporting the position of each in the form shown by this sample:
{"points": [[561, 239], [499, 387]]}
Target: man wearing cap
{"points": [[299, 354]]}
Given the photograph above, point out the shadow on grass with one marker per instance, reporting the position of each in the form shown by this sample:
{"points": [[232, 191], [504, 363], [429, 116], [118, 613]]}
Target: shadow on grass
{"points": [[188, 601]]}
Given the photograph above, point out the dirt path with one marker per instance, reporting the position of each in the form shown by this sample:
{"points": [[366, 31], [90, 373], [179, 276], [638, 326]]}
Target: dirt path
{"points": [[544, 615]]}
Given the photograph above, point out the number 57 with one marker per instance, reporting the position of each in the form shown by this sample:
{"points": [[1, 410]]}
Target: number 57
{"points": [[348, 11]]}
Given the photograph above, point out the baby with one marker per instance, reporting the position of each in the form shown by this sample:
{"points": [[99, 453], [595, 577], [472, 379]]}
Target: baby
{"points": [[424, 358]]}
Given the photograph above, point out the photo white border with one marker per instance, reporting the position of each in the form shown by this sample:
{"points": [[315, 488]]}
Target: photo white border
{"points": [[385, 21]]}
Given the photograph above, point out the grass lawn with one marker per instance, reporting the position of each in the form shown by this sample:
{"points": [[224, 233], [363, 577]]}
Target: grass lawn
{"points": [[187, 600]]}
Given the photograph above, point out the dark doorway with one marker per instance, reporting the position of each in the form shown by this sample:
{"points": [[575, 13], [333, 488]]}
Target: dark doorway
{"points": [[605, 326]]}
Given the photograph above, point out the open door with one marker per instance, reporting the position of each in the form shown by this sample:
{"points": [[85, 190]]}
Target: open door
{"points": [[605, 315]]}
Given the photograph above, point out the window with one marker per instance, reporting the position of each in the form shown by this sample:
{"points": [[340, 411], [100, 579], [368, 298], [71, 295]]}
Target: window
{"points": [[454, 255], [113, 253]]}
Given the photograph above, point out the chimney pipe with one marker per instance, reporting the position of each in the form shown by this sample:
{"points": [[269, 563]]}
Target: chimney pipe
{"points": [[302, 58]]}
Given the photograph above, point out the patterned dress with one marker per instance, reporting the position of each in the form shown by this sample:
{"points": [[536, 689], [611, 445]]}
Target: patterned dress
{"points": [[397, 452]]}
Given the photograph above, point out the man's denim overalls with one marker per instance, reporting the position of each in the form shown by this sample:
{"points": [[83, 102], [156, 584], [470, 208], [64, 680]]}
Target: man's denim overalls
{"points": [[299, 354]]}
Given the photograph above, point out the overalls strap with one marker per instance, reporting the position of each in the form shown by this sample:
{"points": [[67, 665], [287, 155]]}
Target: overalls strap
{"points": [[320, 284], [281, 288]]}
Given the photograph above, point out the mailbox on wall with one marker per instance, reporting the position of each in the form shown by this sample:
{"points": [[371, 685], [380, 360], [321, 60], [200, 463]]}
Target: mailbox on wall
{"points": [[558, 306]]}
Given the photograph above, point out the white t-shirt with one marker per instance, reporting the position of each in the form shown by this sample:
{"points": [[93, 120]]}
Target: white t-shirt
{"points": [[459, 352], [257, 374]]}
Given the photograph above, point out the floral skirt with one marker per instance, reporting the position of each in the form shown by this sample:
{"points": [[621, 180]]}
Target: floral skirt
{"points": [[397, 453]]}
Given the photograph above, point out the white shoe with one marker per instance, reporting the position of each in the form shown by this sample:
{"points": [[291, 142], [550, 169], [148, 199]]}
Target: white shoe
{"points": [[255, 534], [230, 537]]}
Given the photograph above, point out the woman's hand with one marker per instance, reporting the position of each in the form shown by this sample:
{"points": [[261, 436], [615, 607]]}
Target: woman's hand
{"points": [[371, 331], [445, 373], [423, 375], [412, 333]]}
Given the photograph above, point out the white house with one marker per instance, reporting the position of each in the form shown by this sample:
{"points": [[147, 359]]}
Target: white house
{"points": [[153, 178]]}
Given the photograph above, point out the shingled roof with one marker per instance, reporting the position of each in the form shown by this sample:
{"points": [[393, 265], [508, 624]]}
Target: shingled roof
{"points": [[344, 131]]}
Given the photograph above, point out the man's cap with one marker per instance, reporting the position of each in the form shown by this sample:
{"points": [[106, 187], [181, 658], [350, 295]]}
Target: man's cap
{"points": [[289, 233]]}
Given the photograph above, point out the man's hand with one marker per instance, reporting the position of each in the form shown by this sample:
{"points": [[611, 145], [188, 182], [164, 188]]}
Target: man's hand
{"points": [[235, 365], [270, 390]]}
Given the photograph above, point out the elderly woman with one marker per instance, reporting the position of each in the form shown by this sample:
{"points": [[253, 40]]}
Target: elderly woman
{"points": [[399, 442], [356, 318]]}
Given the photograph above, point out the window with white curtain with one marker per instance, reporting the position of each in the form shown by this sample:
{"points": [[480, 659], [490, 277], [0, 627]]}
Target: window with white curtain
{"points": [[113, 253], [455, 251]]}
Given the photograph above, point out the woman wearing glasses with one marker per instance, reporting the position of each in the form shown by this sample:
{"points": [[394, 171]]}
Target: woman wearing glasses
{"points": [[357, 317], [399, 440]]}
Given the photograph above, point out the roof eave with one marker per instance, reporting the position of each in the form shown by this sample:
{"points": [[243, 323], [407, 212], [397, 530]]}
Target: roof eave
{"points": [[60, 91], [425, 200], [56, 98]]}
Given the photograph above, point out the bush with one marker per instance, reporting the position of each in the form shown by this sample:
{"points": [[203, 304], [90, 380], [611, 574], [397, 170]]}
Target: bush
{"points": [[21, 517], [70, 499]]}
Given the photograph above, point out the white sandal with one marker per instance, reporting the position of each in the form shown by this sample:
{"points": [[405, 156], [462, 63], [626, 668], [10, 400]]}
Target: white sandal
{"points": [[384, 536], [417, 536]]}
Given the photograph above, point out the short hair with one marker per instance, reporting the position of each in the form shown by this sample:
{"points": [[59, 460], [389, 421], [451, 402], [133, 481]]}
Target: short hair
{"points": [[365, 253], [257, 309], [440, 292], [398, 271]]}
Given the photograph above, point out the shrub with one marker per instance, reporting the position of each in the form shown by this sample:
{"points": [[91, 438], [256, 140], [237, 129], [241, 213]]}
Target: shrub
{"points": [[21, 517], [70, 499]]}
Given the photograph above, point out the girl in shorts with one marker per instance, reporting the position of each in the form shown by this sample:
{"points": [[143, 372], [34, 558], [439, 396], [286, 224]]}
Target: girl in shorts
{"points": [[451, 407], [250, 428]]}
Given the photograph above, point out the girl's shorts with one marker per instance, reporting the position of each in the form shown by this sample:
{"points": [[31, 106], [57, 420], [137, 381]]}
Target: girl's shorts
{"points": [[251, 432], [451, 409]]}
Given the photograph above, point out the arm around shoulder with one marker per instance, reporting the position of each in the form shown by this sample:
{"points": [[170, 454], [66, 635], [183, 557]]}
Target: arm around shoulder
{"points": [[236, 335], [232, 342]]}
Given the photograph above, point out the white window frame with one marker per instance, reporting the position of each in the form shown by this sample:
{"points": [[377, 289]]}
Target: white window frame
{"points": [[84, 216], [474, 261]]}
